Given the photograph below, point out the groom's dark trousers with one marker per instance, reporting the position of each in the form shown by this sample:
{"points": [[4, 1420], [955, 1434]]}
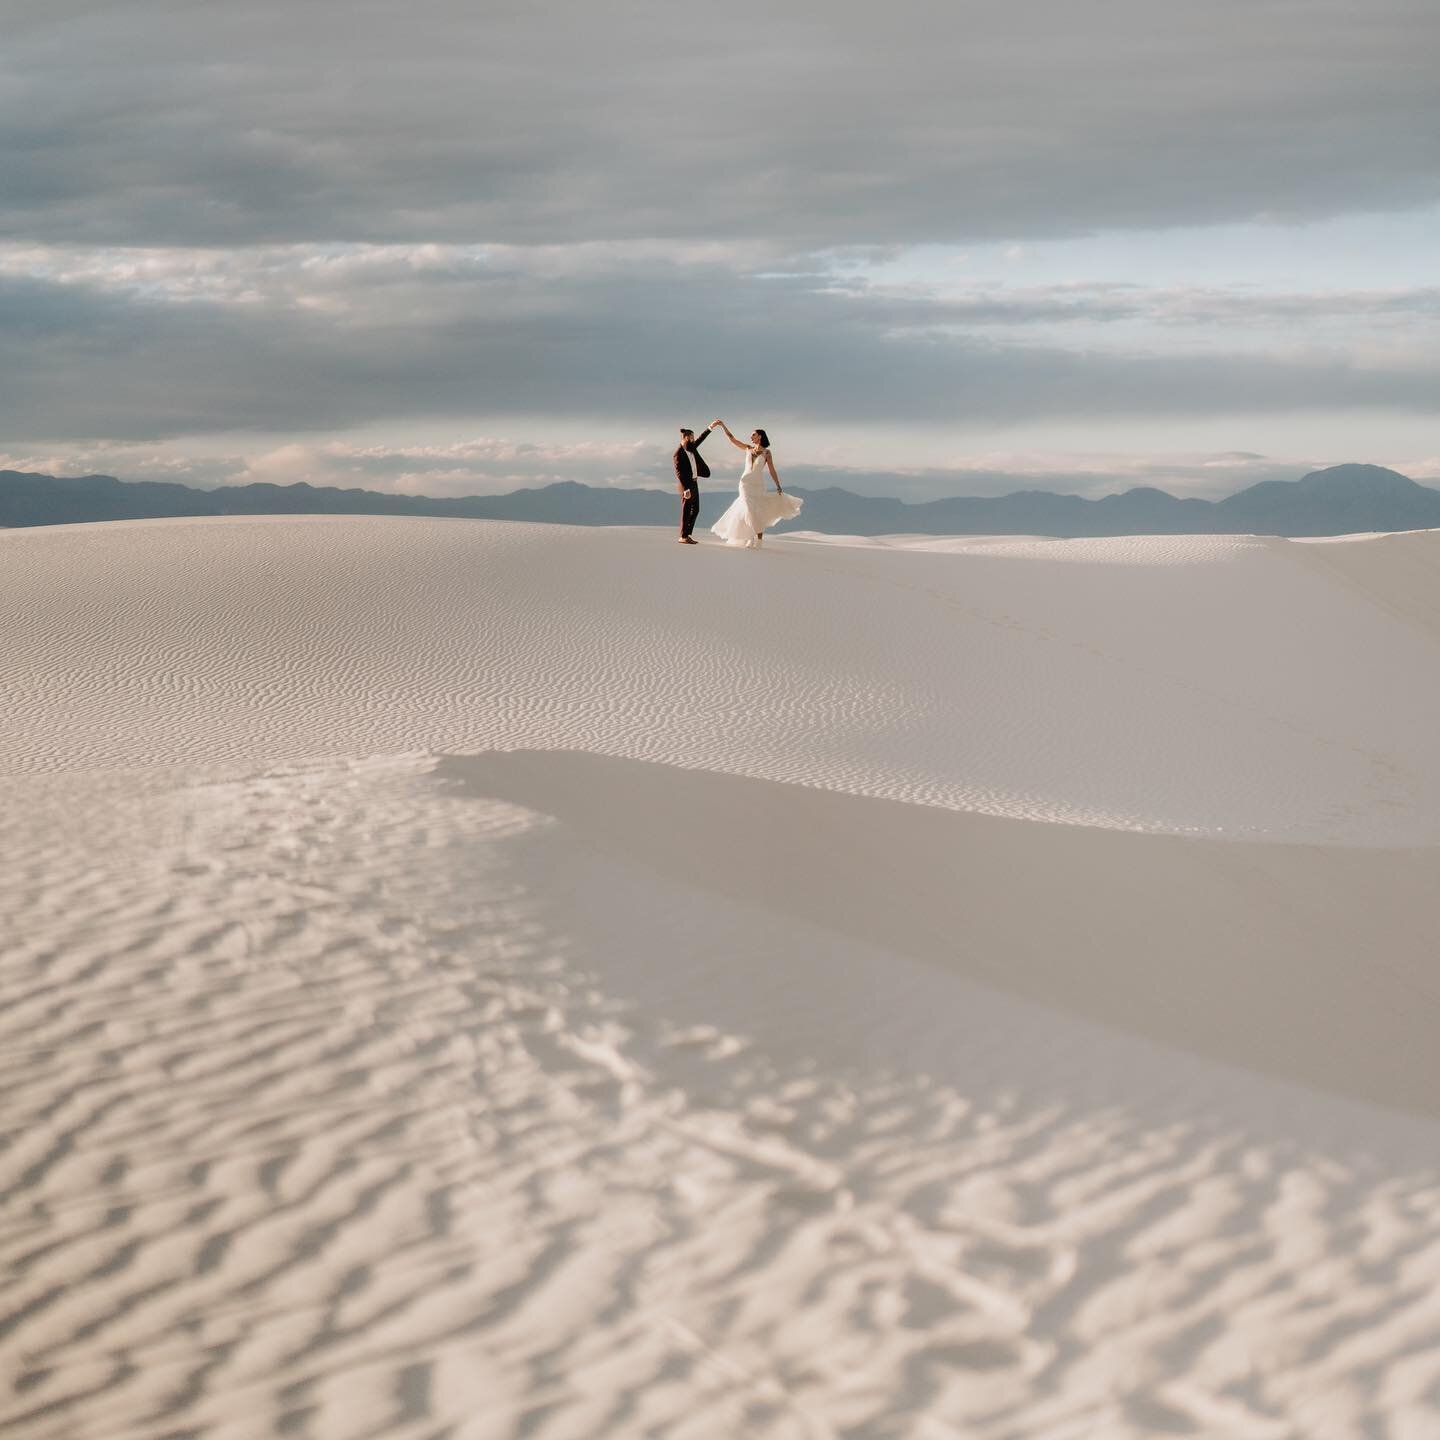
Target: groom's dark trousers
{"points": [[690, 469]]}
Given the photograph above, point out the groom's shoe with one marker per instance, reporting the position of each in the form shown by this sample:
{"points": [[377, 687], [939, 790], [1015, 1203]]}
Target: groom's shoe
{"points": [[686, 540]]}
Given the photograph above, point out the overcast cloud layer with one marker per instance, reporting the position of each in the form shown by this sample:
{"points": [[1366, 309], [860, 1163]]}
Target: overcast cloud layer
{"points": [[296, 220], [803, 125]]}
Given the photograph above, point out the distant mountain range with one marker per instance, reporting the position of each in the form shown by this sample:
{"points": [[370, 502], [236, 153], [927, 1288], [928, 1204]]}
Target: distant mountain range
{"points": [[1339, 501]]}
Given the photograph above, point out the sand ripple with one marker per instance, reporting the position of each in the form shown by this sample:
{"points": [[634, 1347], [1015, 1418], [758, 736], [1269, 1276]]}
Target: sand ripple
{"points": [[324, 1119], [586, 1082]]}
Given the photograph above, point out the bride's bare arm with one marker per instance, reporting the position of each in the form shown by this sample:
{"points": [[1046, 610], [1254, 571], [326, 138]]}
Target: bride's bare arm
{"points": [[770, 466], [738, 444]]}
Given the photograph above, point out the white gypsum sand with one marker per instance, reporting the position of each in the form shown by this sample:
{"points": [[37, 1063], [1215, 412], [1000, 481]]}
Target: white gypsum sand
{"points": [[478, 980]]}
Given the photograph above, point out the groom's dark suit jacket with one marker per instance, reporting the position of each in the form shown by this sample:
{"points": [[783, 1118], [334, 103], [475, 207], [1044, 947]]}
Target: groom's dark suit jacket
{"points": [[683, 473]]}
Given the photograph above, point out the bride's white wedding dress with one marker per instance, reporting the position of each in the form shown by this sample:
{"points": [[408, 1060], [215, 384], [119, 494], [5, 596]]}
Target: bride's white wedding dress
{"points": [[756, 508]]}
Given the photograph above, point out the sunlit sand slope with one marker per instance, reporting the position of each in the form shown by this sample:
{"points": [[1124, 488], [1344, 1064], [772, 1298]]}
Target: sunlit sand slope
{"points": [[1193, 684]]}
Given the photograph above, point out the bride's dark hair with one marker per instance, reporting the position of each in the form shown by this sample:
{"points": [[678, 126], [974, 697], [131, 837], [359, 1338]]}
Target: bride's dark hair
{"points": [[764, 438]]}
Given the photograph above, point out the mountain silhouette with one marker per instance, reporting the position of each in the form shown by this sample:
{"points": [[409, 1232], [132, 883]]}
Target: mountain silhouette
{"points": [[1341, 500]]}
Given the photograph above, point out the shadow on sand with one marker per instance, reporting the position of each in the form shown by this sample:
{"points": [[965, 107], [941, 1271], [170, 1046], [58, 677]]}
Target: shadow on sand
{"points": [[1309, 963]]}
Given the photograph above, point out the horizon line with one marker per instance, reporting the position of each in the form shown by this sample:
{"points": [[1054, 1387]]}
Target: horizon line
{"points": [[660, 490]]}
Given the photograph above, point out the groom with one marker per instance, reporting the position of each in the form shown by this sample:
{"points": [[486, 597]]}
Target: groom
{"points": [[690, 469]]}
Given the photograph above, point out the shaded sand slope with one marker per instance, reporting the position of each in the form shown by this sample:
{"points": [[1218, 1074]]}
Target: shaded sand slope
{"points": [[1398, 573], [1309, 963], [476, 981]]}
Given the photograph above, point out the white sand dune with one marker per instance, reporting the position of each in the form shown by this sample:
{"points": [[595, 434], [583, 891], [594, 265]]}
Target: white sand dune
{"points": [[467, 979], [1191, 684]]}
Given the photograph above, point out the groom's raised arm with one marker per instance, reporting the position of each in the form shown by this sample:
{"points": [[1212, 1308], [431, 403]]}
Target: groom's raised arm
{"points": [[700, 438]]}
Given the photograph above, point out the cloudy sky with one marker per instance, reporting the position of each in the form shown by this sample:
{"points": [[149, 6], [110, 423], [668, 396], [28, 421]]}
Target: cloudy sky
{"points": [[935, 246]]}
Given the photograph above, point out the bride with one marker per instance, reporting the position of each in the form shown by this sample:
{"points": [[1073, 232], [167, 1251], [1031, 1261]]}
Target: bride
{"points": [[755, 510]]}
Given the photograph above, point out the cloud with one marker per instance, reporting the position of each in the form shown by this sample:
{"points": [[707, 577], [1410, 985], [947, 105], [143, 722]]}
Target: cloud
{"points": [[349, 279], [127, 461], [483, 465], [291, 221], [164, 122], [1204, 476], [140, 346], [1101, 304]]}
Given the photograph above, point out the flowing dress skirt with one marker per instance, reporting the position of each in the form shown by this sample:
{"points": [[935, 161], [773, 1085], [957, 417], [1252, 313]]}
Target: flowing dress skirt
{"points": [[756, 509]]}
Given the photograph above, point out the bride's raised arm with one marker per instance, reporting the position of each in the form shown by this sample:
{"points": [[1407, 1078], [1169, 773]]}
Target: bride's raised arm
{"points": [[738, 444]]}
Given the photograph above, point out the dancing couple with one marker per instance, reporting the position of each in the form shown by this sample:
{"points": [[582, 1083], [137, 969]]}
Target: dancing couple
{"points": [[755, 509]]}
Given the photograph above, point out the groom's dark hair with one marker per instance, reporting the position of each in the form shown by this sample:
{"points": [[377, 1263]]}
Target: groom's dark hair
{"points": [[686, 433]]}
